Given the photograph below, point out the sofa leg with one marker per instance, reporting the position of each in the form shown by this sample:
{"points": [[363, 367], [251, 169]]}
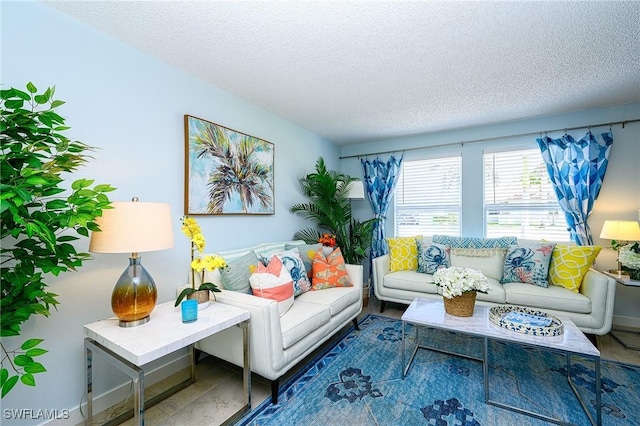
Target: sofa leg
{"points": [[383, 305], [275, 386], [355, 324]]}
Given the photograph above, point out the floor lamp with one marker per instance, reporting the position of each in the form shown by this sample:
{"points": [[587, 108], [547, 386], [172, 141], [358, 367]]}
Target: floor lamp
{"points": [[355, 191]]}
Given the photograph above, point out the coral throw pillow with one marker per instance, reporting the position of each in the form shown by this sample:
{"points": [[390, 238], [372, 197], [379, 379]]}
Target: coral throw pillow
{"points": [[403, 254], [273, 281], [528, 264], [569, 264], [329, 271]]}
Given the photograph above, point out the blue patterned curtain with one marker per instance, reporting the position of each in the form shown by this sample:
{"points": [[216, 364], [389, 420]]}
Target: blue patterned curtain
{"points": [[380, 178], [576, 170]]}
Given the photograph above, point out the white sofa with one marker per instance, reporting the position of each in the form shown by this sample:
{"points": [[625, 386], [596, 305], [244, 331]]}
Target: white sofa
{"points": [[591, 309], [279, 343]]}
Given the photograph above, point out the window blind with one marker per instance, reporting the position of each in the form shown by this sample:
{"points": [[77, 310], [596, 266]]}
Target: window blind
{"points": [[428, 197], [519, 198]]}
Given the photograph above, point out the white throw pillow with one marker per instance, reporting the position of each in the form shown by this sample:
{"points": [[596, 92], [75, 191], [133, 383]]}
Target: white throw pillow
{"points": [[273, 282], [488, 261]]}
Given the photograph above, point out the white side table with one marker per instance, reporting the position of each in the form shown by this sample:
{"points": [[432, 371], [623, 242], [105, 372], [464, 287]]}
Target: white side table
{"points": [[622, 335], [130, 348]]}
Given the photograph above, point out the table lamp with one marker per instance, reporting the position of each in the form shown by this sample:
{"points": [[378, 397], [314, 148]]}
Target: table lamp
{"points": [[133, 227], [621, 232]]}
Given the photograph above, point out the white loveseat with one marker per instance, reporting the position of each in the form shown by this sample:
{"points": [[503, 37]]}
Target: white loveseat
{"points": [[591, 309], [279, 343]]}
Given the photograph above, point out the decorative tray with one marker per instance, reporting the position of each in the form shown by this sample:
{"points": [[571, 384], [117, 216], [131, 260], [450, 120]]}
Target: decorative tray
{"points": [[526, 320]]}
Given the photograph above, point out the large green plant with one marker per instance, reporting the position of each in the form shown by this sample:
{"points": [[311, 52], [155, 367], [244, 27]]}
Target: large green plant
{"points": [[330, 209], [39, 221]]}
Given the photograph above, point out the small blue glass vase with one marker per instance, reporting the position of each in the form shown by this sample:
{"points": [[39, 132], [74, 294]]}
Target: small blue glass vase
{"points": [[189, 310]]}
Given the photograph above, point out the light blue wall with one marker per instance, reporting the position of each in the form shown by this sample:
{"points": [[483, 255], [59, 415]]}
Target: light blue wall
{"points": [[131, 107], [619, 197]]}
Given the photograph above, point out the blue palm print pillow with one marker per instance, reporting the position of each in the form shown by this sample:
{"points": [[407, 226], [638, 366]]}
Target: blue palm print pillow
{"points": [[528, 264], [432, 256], [293, 262]]}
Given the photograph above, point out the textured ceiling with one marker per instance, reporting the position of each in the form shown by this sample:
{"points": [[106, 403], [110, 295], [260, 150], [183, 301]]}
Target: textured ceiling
{"points": [[356, 71]]}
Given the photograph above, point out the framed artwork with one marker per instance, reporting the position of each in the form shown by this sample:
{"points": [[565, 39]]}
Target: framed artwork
{"points": [[226, 171]]}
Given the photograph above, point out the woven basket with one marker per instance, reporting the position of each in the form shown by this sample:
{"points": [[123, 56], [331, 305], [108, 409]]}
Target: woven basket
{"points": [[461, 306]]}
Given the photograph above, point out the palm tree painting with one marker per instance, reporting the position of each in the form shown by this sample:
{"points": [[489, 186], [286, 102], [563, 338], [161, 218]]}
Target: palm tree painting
{"points": [[226, 172]]}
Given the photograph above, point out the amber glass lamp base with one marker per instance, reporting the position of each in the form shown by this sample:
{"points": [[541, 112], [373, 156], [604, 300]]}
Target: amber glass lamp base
{"points": [[134, 295]]}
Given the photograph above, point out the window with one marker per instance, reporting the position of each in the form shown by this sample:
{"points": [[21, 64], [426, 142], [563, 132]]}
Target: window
{"points": [[519, 198], [427, 197]]}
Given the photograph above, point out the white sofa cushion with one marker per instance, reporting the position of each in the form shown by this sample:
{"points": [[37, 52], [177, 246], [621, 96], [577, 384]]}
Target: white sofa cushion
{"points": [[496, 293], [301, 320], [552, 297], [337, 298], [488, 261], [411, 280]]}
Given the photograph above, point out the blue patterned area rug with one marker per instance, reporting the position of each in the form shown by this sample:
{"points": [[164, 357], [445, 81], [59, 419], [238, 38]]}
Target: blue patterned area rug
{"points": [[359, 381]]}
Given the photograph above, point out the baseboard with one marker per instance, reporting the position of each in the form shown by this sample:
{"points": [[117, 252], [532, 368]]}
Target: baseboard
{"points": [[626, 321], [108, 399]]}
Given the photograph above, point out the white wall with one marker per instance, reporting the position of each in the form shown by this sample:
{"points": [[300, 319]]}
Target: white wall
{"points": [[131, 107], [619, 196]]}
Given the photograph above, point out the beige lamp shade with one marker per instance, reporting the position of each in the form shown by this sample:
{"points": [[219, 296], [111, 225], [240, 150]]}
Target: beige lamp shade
{"points": [[622, 230], [133, 227], [355, 190]]}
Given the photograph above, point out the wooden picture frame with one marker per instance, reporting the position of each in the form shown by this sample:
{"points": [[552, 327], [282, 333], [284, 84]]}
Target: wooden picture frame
{"points": [[226, 171]]}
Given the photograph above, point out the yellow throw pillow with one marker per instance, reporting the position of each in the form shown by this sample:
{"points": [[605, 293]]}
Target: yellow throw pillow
{"points": [[569, 264], [403, 254]]}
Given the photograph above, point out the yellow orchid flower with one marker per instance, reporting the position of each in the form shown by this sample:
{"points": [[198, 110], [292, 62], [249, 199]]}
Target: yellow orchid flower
{"points": [[198, 241]]}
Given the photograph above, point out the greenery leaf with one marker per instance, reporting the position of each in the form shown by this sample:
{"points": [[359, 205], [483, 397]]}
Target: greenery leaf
{"points": [[35, 367], [184, 294], [8, 385], [31, 88], [36, 352], [28, 379], [31, 343], [14, 104], [22, 360], [209, 286]]}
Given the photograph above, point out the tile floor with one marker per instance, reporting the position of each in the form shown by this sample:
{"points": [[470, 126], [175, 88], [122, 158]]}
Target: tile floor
{"points": [[218, 392]]}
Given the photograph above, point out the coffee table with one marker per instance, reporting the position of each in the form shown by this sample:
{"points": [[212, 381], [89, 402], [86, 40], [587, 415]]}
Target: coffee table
{"points": [[427, 313]]}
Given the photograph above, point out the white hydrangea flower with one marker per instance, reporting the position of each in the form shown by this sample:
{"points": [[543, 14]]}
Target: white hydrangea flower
{"points": [[456, 280], [629, 258]]}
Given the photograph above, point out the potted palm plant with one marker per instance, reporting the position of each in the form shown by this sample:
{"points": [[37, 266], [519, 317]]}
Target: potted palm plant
{"points": [[329, 208]]}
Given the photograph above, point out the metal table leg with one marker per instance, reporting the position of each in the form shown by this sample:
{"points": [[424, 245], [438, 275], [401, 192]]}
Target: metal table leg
{"points": [[137, 375], [246, 375], [594, 421]]}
